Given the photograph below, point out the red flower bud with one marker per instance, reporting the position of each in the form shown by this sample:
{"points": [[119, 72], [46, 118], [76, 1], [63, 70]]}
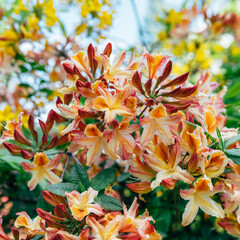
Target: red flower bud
{"points": [[61, 211], [59, 101], [32, 129], [13, 149], [148, 85], [68, 67], [136, 80], [43, 126], [44, 140], [67, 98], [177, 81], [26, 154], [185, 92], [77, 72], [108, 50], [43, 214], [173, 93], [19, 137], [53, 199], [15, 233], [166, 72], [53, 143]]}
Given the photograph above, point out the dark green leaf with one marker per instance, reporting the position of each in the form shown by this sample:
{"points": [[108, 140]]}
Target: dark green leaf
{"points": [[61, 188], [103, 178], [108, 202], [78, 175]]}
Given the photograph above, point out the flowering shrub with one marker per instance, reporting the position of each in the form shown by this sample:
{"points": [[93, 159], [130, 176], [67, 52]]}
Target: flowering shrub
{"points": [[127, 124], [201, 38]]}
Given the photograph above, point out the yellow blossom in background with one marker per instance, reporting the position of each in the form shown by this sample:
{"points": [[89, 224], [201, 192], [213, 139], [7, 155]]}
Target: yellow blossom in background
{"points": [[174, 17]]}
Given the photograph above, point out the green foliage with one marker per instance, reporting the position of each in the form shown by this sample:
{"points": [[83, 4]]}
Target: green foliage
{"points": [[103, 178], [108, 202]]}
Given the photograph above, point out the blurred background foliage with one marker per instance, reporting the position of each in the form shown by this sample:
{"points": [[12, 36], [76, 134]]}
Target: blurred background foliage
{"points": [[35, 36]]}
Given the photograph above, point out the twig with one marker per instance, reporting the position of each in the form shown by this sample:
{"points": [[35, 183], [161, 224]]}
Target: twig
{"points": [[56, 153], [65, 167], [140, 30], [138, 116], [76, 160]]}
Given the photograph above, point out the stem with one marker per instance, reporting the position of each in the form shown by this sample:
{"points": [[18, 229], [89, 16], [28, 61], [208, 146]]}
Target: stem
{"points": [[65, 167], [76, 160], [56, 153], [140, 29], [142, 112]]}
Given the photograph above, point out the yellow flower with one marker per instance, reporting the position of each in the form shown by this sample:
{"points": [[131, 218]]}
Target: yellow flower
{"points": [[174, 17]]}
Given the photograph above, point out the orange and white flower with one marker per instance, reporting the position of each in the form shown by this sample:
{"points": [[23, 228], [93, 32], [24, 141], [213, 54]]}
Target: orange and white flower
{"points": [[41, 168], [31, 226], [160, 123], [81, 204], [108, 231], [112, 104], [96, 141], [165, 162], [200, 197]]}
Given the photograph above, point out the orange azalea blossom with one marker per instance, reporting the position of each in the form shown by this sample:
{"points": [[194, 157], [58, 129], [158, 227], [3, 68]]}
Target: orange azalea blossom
{"points": [[214, 164], [199, 197], [96, 142], [192, 140], [141, 223], [165, 162], [108, 231], [62, 235], [231, 225], [8, 133], [81, 204], [114, 70], [154, 63], [41, 168], [122, 141], [160, 123], [112, 104], [30, 226]]}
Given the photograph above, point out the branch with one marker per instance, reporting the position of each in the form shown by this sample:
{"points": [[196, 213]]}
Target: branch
{"points": [[140, 29]]}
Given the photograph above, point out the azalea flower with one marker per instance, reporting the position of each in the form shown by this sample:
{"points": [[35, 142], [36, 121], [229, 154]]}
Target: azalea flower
{"points": [[200, 197], [160, 123], [81, 204], [31, 226], [112, 104], [108, 231], [165, 162], [96, 142], [41, 168]]}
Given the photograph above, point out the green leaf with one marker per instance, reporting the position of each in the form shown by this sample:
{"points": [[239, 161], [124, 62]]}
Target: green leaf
{"points": [[108, 202], [23, 69], [234, 154], [61, 188], [232, 140], [163, 218], [37, 237], [78, 175], [191, 124], [103, 178], [220, 138]]}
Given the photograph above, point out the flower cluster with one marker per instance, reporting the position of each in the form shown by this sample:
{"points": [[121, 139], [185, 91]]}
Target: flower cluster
{"points": [[143, 119]]}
